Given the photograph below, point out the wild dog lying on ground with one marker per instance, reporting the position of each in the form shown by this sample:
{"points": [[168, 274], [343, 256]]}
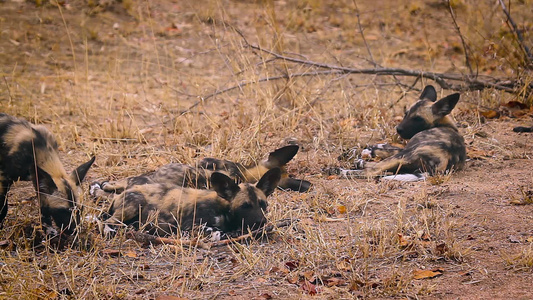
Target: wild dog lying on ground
{"points": [[435, 145], [197, 177], [164, 209], [29, 152]]}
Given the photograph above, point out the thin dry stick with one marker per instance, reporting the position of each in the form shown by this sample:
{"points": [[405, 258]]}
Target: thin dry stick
{"points": [[361, 31], [147, 238], [465, 48], [246, 83], [520, 38], [372, 60], [8, 92]]}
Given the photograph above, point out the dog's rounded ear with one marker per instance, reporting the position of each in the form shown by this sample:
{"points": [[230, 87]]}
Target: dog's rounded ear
{"points": [[445, 105], [269, 181], [78, 175], [281, 156], [225, 187], [429, 93]]}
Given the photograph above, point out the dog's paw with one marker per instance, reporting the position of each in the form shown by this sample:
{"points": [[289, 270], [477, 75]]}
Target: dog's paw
{"points": [[94, 187], [331, 171], [359, 164]]}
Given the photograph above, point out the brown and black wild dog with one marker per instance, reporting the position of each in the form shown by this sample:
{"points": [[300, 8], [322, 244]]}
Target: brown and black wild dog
{"points": [[164, 209], [197, 177], [435, 145], [29, 152]]}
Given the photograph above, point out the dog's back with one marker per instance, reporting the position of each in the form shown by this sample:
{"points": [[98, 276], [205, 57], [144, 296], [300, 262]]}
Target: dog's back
{"points": [[164, 209]]}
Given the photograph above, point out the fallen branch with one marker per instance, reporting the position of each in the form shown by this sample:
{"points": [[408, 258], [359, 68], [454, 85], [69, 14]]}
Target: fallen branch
{"points": [[469, 82], [145, 238], [473, 82]]}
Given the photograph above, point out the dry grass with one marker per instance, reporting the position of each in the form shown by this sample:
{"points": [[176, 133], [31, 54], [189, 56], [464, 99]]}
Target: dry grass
{"points": [[117, 79]]}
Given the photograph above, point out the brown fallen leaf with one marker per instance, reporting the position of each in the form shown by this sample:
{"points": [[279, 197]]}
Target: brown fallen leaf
{"points": [[167, 297], [427, 274], [111, 252], [293, 278], [309, 275], [403, 241], [334, 281], [131, 254], [293, 264], [264, 296], [331, 177], [441, 248], [309, 288], [490, 114]]}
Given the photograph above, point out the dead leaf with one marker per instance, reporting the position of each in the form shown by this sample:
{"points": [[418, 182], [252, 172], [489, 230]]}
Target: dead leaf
{"points": [[292, 265], [139, 292], [293, 278], [309, 275], [427, 274], [516, 104], [334, 281], [477, 154], [46, 294], [260, 280], [441, 248], [341, 209], [264, 296], [131, 254], [529, 239], [309, 288], [403, 241], [425, 237], [344, 265], [111, 252], [331, 177], [167, 297], [490, 114]]}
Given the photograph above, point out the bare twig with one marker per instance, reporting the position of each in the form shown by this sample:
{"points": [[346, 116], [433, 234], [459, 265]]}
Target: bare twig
{"points": [[155, 240], [361, 31], [520, 38], [246, 83], [465, 48]]}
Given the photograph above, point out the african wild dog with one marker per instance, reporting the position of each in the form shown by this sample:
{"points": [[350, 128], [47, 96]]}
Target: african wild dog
{"points": [[197, 177], [163, 209], [29, 152], [435, 145]]}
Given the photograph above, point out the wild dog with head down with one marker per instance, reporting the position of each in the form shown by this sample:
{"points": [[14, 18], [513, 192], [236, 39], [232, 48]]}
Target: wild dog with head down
{"points": [[29, 152], [435, 145], [198, 177], [164, 209]]}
